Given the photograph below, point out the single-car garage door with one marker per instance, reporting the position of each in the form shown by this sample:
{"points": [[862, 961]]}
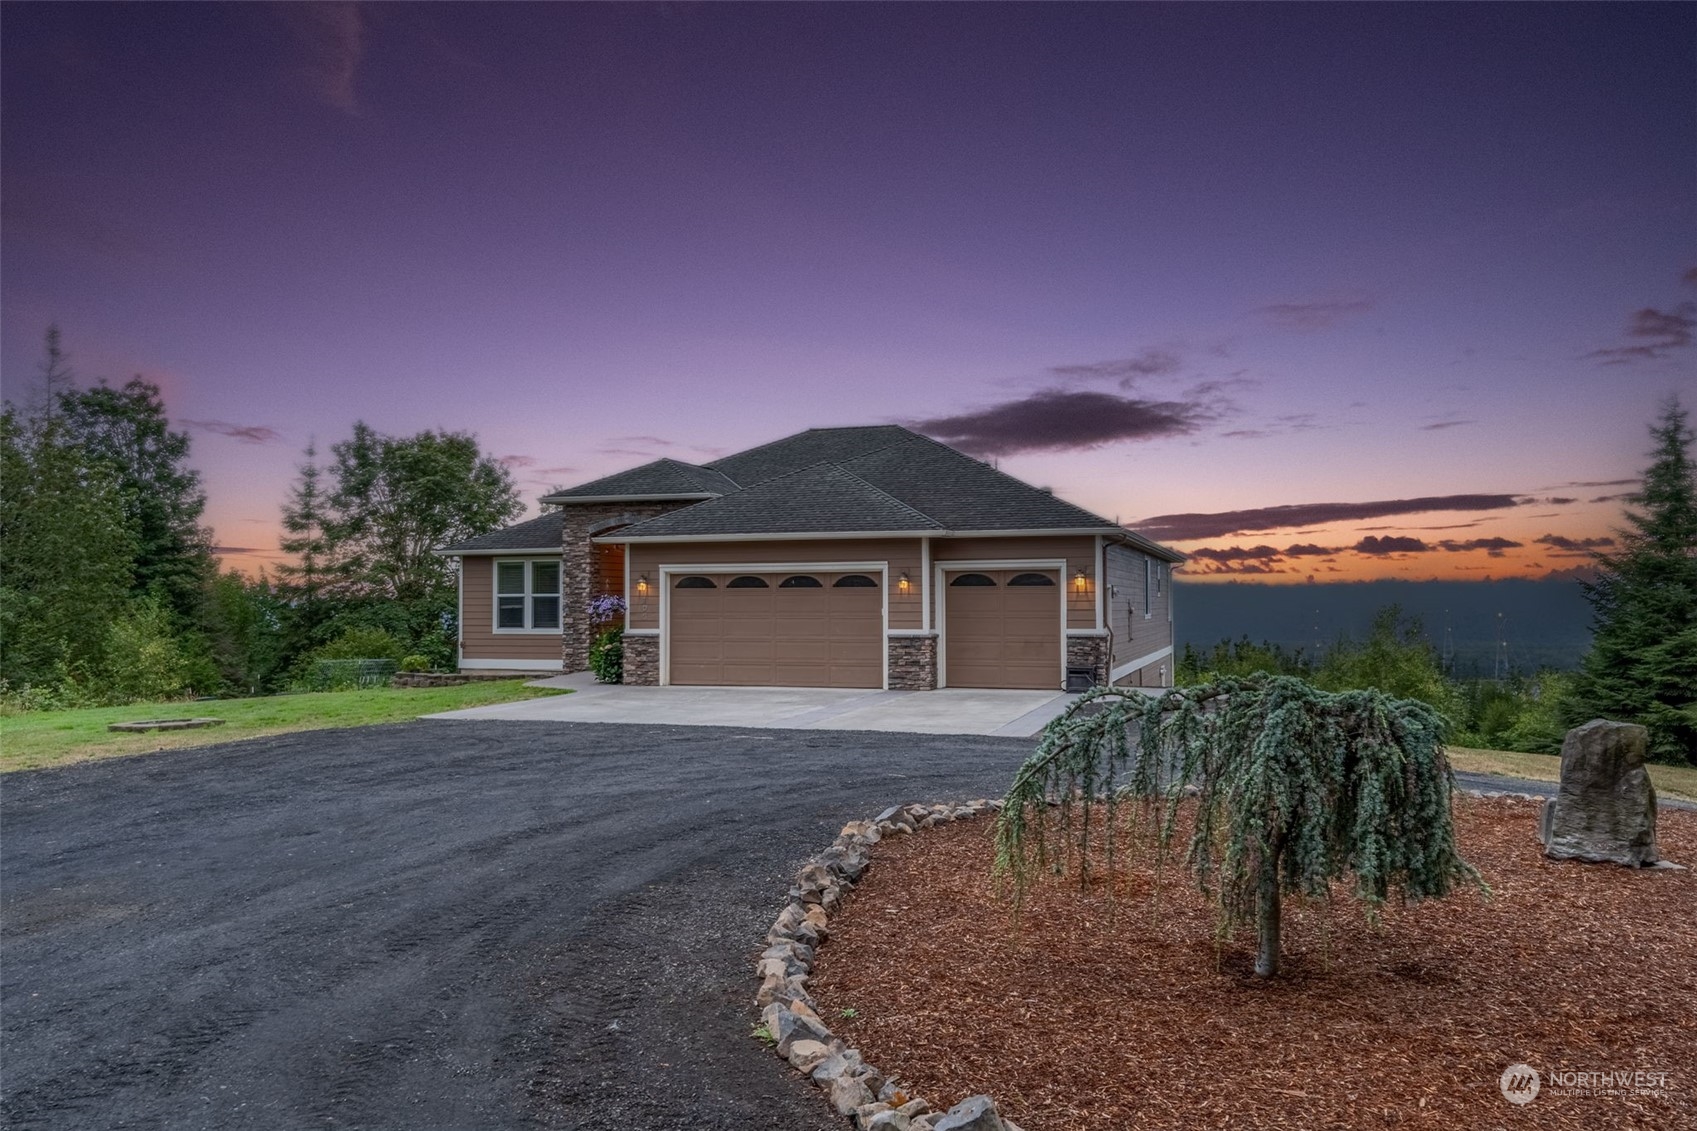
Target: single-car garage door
{"points": [[777, 630], [1003, 629]]}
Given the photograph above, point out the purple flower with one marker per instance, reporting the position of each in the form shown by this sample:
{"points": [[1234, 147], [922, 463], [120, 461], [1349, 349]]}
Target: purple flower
{"points": [[605, 608]]}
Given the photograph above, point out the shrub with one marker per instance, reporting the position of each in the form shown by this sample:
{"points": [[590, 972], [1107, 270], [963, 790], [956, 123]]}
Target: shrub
{"points": [[607, 656], [144, 660], [362, 643], [415, 663]]}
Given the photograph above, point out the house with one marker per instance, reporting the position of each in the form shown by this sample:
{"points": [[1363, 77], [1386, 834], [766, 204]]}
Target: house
{"points": [[838, 557]]}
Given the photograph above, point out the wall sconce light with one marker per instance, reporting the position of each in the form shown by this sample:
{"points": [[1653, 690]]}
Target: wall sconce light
{"points": [[1080, 582], [903, 583], [642, 585]]}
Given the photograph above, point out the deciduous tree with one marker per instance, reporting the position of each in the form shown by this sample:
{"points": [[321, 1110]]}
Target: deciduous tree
{"points": [[66, 554], [394, 500]]}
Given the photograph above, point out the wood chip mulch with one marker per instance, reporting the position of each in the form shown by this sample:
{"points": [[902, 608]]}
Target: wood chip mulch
{"points": [[1097, 1013]]}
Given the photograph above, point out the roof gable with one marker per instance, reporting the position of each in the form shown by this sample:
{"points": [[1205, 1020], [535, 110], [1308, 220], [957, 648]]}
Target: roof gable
{"points": [[661, 478], [822, 499]]}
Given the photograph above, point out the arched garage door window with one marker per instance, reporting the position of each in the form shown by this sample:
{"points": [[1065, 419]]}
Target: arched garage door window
{"points": [[747, 581], [854, 581], [693, 582], [1031, 579], [972, 579], [801, 581]]}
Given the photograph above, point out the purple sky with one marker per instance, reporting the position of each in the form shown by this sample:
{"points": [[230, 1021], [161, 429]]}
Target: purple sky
{"points": [[1180, 262]]}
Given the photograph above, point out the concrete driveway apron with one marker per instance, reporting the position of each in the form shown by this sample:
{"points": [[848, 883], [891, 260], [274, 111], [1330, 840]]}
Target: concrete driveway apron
{"points": [[950, 711]]}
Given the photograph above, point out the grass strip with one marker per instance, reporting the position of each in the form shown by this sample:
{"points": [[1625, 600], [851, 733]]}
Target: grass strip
{"points": [[35, 740]]}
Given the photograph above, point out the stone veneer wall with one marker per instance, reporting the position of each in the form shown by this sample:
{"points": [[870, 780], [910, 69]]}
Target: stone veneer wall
{"points": [[1089, 652], [642, 660], [913, 663], [577, 569]]}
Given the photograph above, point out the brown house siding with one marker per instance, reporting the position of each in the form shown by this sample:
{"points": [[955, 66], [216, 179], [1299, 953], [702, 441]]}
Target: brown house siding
{"points": [[1135, 588], [478, 638], [903, 555]]}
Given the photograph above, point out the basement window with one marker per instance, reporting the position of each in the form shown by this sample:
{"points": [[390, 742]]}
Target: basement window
{"points": [[527, 596]]}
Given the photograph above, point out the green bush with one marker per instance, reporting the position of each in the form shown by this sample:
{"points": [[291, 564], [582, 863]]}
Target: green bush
{"points": [[1397, 659], [362, 643], [607, 656], [144, 660], [415, 663]]}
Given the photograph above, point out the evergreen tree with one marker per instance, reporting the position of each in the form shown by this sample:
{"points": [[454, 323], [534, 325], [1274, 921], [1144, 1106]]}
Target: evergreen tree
{"points": [[1295, 788], [66, 554], [1642, 667], [128, 432], [301, 582]]}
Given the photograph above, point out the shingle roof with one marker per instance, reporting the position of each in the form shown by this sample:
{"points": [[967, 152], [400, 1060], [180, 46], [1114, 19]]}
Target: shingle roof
{"points": [[804, 449], [660, 478], [819, 499], [827, 480], [538, 534], [962, 493]]}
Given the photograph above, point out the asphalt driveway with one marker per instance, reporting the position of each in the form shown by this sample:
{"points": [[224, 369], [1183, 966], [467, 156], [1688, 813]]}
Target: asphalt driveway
{"points": [[437, 924]]}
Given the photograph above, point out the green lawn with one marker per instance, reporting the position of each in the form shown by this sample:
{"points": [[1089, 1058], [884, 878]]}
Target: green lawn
{"points": [[35, 739], [1671, 781]]}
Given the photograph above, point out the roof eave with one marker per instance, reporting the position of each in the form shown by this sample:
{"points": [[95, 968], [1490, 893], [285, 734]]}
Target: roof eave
{"points": [[643, 497], [1132, 538], [808, 535]]}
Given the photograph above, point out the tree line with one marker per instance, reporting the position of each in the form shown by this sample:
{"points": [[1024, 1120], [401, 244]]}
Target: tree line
{"points": [[110, 590], [1641, 666]]}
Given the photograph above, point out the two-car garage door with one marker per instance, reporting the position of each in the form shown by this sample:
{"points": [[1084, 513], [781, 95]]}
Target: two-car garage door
{"points": [[777, 629], [1002, 629]]}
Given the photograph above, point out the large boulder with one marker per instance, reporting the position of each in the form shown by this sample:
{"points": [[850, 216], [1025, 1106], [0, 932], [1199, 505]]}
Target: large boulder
{"points": [[1605, 809]]}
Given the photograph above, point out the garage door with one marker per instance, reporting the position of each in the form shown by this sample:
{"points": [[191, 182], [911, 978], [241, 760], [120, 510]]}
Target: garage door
{"points": [[777, 630], [1003, 629]]}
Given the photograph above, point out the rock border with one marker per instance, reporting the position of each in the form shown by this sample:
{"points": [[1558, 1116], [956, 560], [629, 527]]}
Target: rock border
{"points": [[859, 1092]]}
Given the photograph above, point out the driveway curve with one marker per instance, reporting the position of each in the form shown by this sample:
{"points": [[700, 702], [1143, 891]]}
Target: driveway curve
{"points": [[436, 924]]}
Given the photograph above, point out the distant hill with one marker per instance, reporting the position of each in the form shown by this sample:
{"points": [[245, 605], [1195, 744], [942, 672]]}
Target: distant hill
{"points": [[1546, 623]]}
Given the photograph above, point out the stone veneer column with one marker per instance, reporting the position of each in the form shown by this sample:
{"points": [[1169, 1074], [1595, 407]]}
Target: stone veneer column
{"points": [[577, 569], [1089, 652], [642, 661], [913, 663]]}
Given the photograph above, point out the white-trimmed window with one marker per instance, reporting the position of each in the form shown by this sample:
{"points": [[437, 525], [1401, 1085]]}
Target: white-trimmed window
{"points": [[527, 595]]}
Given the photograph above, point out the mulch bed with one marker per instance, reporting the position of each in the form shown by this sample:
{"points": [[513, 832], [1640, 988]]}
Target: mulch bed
{"points": [[1092, 1012]]}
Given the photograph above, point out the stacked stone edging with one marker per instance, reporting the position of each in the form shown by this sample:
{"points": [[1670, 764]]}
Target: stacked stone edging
{"points": [[455, 679], [857, 1090]]}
